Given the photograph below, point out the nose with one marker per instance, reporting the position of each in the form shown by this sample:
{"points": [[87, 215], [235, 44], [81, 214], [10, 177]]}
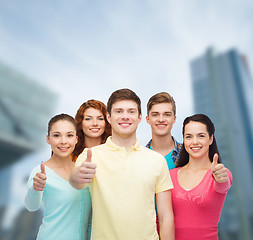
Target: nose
{"points": [[94, 122], [63, 139], [161, 118], [125, 115], [195, 140]]}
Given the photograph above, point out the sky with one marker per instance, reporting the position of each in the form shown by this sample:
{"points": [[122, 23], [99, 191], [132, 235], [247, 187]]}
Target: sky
{"points": [[84, 50]]}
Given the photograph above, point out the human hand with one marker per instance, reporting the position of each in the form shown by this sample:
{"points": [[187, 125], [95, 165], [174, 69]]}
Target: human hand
{"points": [[218, 170], [87, 169], [39, 181]]}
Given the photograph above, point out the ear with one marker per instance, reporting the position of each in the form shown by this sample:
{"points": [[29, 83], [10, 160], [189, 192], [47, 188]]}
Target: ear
{"points": [[211, 140], [140, 117], [47, 139], [108, 117], [76, 139], [175, 118], [147, 119]]}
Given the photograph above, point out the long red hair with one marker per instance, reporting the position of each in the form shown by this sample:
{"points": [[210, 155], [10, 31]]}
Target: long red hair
{"points": [[80, 146]]}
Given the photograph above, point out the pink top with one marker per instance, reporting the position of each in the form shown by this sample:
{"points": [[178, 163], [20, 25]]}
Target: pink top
{"points": [[197, 211]]}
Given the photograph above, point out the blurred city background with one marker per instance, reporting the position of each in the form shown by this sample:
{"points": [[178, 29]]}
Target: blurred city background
{"points": [[54, 55]]}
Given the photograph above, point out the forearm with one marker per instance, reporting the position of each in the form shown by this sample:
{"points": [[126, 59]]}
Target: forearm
{"points": [[33, 199], [74, 179], [167, 228]]}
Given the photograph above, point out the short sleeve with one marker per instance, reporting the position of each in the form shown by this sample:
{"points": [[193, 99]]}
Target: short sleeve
{"points": [[164, 180]]}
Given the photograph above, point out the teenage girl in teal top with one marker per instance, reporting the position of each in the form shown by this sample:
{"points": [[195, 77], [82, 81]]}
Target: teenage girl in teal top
{"points": [[67, 210]]}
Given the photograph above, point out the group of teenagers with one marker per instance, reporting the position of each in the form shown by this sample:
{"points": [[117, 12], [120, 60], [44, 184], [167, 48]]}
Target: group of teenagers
{"points": [[100, 183]]}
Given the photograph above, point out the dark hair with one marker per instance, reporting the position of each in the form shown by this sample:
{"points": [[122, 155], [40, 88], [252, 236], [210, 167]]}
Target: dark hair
{"points": [[79, 119], [184, 155], [123, 94], [162, 97], [60, 117]]}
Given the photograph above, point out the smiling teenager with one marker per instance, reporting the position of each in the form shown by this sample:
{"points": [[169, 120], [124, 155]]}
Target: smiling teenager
{"points": [[200, 182], [92, 130], [65, 215], [123, 178]]}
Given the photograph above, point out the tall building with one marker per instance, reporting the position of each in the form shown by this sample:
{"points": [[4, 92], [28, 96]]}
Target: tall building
{"points": [[25, 107], [223, 90]]}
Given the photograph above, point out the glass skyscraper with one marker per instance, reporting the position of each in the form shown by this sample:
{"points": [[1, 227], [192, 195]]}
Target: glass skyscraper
{"points": [[25, 108], [223, 90]]}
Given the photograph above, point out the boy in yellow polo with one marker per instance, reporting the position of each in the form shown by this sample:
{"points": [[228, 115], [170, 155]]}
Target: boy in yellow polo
{"points": [[124, 178]]}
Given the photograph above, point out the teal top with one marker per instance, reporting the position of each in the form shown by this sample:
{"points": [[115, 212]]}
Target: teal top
{"points": [[67, 210], [169, 159]]}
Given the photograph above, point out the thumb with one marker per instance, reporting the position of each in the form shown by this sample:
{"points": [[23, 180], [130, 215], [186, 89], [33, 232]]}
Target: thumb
{"points": [[42, 167], [89, 155], [215, 159]]}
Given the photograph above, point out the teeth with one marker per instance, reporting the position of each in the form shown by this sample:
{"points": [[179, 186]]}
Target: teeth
{"points": [[125, 124]]}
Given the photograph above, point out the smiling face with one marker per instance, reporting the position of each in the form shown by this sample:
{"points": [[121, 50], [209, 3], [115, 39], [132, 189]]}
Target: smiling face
{"points": [[161, 119], [62, 138], [197, 140], [124, 118], [93, 123]]}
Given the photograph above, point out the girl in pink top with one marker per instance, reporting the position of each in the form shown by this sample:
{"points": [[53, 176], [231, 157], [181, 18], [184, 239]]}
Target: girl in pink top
{"points": [[200, 182]]}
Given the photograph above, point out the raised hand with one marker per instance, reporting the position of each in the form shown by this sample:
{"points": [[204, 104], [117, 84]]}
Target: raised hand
{"points": [[218, 170], [87, 169], [39, 181]]}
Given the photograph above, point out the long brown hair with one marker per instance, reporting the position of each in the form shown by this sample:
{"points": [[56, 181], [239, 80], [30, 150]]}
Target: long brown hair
{"points": [[80, 146], [213, 148]]}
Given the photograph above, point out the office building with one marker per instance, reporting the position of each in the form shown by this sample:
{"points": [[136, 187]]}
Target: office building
{"points": [[223, 90], [25, 107]]}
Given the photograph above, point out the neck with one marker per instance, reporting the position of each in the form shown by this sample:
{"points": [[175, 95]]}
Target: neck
{"points": [[162, 144], [61, 162], [126, 142], [196, 164], [92, 142]]}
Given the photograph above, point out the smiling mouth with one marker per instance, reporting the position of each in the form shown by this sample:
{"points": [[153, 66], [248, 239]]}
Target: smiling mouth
{"points": [[63, 149], [95, 129], [125, 124]]}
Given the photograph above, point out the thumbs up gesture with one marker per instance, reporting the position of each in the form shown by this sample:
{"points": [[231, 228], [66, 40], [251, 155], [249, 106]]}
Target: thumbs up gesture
{"points": [[218, 170], [87, 169], [39, 181]]}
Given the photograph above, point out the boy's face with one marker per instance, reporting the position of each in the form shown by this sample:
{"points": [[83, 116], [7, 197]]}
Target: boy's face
{"points": [[124, 118], [161, 118]]}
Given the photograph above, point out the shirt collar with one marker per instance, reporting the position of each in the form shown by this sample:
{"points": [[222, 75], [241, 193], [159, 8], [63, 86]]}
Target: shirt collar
{"points": [[114, 147], [176, 148]]}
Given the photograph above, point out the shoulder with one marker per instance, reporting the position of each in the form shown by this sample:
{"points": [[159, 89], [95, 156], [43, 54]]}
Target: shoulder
{"points": [[173, 172], [150, 152]]}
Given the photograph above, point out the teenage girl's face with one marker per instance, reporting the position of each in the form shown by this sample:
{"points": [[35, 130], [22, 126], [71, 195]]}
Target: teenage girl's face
{"points": [[62, 138], [197, 140], [93, 124]]}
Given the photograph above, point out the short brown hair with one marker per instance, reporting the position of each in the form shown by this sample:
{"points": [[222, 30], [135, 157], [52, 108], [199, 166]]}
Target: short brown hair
{"points": [[162, 97], [123, 94]]}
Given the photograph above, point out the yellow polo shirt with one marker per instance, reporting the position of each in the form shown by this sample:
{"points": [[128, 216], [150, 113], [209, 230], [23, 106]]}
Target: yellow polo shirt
{"points": [[123, 191]]}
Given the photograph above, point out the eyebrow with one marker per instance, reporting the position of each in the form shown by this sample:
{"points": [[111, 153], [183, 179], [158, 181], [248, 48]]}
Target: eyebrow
{"points": [[162, 112], [61, 132], [86, 115]]}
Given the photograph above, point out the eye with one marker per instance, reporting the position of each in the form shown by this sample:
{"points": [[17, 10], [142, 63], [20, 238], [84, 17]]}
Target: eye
{"points": [[188, 137], [154, 115], [70, 135], [87, 119], [101, 119], [56, 135]]}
